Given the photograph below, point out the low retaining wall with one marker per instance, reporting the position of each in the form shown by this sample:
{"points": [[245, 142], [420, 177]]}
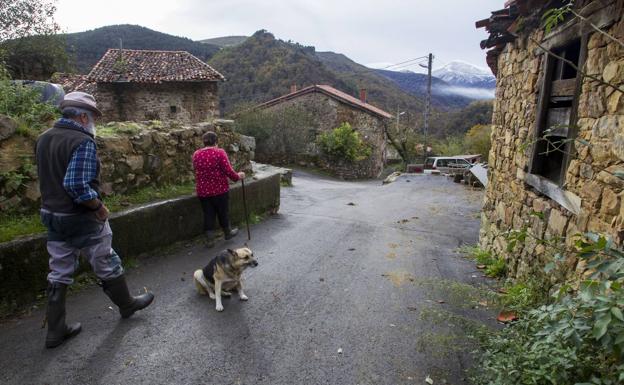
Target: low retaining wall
{"points": [[24, 262]]}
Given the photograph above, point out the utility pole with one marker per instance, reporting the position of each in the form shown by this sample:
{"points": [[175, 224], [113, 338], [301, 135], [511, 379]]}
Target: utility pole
{"points": [[428, 105]]}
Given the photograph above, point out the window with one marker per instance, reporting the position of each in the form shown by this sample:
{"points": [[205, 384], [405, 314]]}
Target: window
{"points": [[557, 113], [173, 109]]}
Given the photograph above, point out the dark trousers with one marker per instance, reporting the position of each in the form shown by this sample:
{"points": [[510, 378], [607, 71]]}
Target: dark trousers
{"points": [[216, 205]]}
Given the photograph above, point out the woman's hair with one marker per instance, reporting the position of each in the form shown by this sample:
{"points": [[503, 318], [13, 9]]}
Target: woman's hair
{"points": [[209, 138]]}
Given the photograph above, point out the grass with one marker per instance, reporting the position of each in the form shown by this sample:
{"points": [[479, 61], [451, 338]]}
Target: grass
{"points": [[13, 226], [117, 128], [495, 267]]}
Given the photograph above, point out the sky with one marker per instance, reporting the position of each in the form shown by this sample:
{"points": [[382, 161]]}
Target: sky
{"points": [[371, 32]]}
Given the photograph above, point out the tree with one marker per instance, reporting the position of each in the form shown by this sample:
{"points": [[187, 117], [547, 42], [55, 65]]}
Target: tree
{"points": [[21, 18], [29, 45]]}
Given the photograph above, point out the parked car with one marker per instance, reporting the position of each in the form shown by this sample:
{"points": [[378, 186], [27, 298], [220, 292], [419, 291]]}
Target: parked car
{"points": [[445, 165]]}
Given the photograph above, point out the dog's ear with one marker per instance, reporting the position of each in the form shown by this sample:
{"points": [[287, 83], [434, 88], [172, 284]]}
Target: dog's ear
{"points": [[232, 252]]}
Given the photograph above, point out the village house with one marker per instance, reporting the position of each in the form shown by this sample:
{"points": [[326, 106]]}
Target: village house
{"points": [[321, 108], [557, 152], [138, 85]]}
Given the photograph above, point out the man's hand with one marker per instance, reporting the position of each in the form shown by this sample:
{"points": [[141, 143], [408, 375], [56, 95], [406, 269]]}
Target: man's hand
{"points": [[102, 213], [241, 175], [98, 207]]}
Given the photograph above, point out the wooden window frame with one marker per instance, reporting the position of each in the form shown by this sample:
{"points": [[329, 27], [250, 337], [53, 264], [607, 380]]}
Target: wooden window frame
{"points": [[557, 191]]}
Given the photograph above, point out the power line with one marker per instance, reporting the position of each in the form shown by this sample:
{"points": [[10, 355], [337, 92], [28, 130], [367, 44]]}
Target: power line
{"points": [[407, 61]]}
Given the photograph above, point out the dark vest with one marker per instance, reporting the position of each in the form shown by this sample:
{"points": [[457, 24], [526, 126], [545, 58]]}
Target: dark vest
{"points": [[54, 150]]}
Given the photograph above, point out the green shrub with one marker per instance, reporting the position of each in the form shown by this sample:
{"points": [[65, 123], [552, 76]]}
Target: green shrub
{"points": [[344, 143], [577, 338], [497, 268], [23, 104]]}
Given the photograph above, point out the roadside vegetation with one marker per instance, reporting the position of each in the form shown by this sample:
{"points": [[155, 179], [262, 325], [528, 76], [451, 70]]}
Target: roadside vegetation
{"points": [[344, 143], [14, 225]]}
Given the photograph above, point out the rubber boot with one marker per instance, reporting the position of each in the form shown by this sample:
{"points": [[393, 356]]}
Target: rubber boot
{"points": [[230, 233], [211, 239], [117, 290], [58, 330]]}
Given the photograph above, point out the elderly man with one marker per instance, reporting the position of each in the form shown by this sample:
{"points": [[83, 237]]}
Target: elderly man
{"points": [[75, 216]]}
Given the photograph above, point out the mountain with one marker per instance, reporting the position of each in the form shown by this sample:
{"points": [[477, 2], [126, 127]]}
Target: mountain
{"points": [[467, 79], [86, 48], [381, 92], [225, 41], [416, 84], [263, 67]]}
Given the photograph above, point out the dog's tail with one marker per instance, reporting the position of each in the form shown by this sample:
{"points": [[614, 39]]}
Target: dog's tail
{"points": [[200, 282]]}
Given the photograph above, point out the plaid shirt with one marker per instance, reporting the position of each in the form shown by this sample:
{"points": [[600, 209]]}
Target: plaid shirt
{"points": [[81, 170]]}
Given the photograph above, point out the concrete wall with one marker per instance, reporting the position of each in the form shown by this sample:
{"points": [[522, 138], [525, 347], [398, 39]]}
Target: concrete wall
{"points": [[511, 195], [24, 263], [193, 101], [297, 142]]}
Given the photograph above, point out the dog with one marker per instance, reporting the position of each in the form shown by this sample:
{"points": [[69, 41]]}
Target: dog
{"points": [[223, 274]]}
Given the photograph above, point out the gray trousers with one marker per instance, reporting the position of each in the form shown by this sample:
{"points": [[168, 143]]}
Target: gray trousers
{"points": [[70, 236]]}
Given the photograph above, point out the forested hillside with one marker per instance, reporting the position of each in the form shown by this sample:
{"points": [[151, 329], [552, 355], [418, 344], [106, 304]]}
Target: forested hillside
{"points": [[86, 48]]}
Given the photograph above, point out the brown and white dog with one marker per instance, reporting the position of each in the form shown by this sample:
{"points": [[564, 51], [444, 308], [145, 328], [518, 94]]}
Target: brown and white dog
{"points": [[223, 274]]}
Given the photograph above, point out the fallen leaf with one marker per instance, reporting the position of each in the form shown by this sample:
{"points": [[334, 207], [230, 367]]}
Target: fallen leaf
{"points": [[339, 350], [351, 249], [350, 204], [507, 316], [502, 290], [481, 267], [428, 380], [403, 221], [440, 301], [322, 279], [412, 308]]}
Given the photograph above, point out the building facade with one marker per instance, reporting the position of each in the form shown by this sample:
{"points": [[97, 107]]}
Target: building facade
{"points": [[139, 85], [557, 131], [317, 109]]}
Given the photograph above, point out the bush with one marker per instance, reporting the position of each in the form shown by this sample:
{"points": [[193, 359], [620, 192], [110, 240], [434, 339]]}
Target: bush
{"points": [[578, 338], [344, 143], [23, 104]]}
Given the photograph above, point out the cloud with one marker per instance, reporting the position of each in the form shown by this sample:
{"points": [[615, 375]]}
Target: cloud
{"points": [[365, 30]]}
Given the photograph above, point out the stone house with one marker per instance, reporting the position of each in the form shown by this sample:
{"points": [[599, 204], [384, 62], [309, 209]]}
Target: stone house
{"points": [[557, 132], [138, 85], [321, 108]]}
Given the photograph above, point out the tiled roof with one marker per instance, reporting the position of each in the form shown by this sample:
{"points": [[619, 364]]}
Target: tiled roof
{"points": [[141, 66], [332, 92], [74, 82]]}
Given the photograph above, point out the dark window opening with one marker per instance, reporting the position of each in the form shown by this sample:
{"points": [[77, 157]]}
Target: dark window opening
{"points": [[553, 141], [173, 109]]}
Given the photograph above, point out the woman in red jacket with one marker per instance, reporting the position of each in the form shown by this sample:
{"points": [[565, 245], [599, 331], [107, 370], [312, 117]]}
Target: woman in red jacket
{"points": [[212, 170]]}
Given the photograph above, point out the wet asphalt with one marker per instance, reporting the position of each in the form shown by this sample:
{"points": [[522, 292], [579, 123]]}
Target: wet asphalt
{"points": [[338, 298]]}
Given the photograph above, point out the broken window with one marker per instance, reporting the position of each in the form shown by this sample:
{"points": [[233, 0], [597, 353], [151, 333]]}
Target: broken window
{"points": [[557, 113]]}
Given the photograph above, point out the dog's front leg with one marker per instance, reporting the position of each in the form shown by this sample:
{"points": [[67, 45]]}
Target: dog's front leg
{"points": [[241, 293], [218, 285]]}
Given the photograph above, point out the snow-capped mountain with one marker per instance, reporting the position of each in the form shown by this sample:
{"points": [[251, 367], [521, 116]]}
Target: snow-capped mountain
{"points": [[462, 74]]}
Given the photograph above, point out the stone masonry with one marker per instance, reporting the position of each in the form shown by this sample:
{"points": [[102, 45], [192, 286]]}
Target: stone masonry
{"points": [[133, 156], [510, 202], [298, 144]]}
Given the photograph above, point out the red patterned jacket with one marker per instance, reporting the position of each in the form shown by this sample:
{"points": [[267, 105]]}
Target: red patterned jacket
{"points": [[212, 168]]}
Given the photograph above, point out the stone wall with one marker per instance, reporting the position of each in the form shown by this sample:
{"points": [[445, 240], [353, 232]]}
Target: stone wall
{"points": [[297, 143], [510, 202], [186, 102], [133, 155]]}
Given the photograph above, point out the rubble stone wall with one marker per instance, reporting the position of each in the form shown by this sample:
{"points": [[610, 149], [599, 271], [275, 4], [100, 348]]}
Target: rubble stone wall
{"points": [[140, 155], [511, 203], [298, 144], [187, 102]]}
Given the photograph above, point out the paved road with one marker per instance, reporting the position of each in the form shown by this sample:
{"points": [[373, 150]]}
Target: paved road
{"points": [[331, 276]]}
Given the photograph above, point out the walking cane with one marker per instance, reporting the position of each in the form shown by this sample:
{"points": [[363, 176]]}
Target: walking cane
{"points": [[245, 209]]}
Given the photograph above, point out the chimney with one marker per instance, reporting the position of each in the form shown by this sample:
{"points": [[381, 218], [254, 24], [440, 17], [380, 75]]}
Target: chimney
{"points": [[293, 88], [363, 95]]}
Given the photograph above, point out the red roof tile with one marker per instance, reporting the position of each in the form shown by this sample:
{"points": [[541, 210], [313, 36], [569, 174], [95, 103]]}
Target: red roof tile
{"points": [[142, 66], [74, 82], [332, 92]]}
